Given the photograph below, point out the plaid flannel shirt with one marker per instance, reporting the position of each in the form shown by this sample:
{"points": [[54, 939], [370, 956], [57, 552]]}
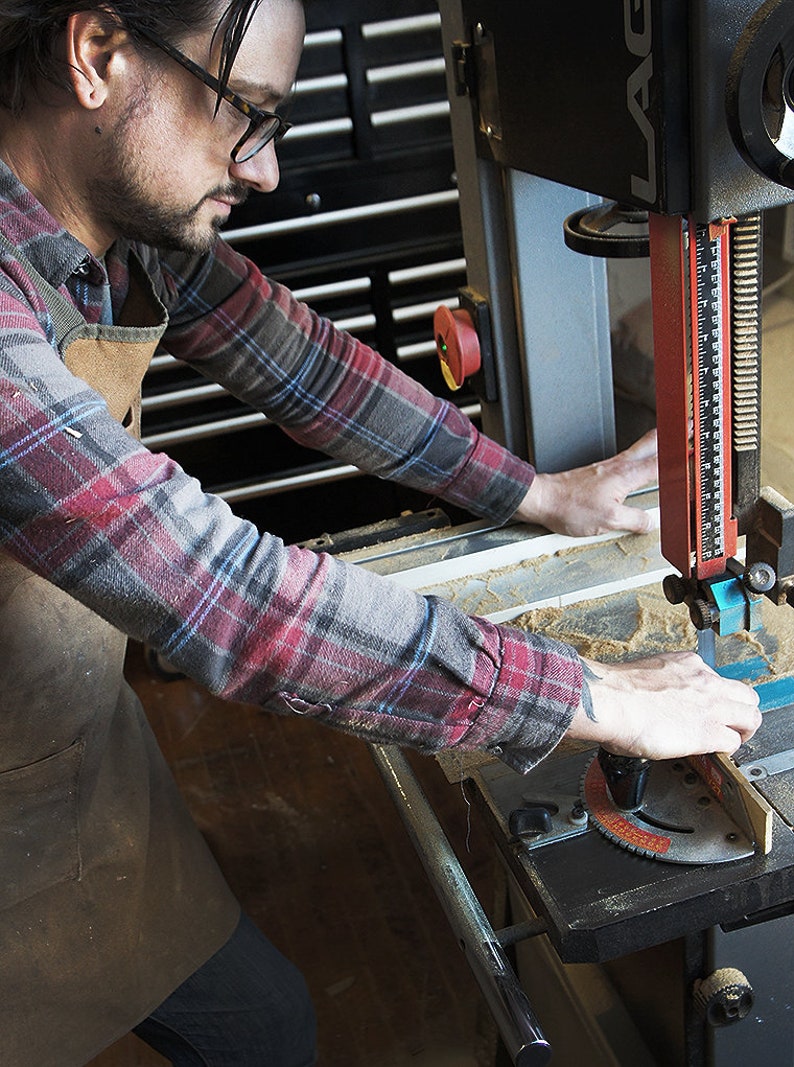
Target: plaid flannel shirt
{"points": [[130, 534]]}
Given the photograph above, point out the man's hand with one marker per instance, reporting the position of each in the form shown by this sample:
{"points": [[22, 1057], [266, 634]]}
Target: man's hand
{"points": [[663, 707], [591, 500]]}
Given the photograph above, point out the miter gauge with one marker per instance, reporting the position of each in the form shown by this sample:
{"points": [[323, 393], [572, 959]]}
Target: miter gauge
{"points": [[697, 810]]}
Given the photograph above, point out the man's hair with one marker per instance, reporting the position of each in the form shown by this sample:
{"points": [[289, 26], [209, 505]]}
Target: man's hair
{"points": [[30, 30]]}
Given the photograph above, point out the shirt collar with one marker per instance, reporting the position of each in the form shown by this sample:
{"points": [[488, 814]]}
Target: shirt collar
{"points": [[27, 224]]}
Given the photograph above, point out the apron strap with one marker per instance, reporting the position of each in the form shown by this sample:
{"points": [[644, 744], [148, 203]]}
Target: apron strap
{"points": [[64, 316], [112, 360], [143, 318]]}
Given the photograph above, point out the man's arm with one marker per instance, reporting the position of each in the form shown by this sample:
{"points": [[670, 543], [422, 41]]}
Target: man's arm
{"points": [[335, 394], [329, 391], [386, 422], [131, 535]]}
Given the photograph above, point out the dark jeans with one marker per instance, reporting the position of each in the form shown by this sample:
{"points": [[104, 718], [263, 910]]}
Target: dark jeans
{"points": [[247, 1006]]}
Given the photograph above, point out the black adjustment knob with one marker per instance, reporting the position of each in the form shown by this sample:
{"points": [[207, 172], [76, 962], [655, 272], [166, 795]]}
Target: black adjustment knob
{"points": [[674, 588], [703, 614], [626, 778], [725, 997], [529, 822]]}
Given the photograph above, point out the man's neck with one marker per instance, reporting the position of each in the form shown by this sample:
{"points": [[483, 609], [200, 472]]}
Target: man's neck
{"points": [[31, 151]]}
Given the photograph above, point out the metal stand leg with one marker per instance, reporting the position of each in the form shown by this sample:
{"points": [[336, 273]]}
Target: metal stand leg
{"points": [[512, 1012]]}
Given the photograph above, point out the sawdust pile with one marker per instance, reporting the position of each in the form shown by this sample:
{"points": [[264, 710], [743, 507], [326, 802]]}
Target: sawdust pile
{"points": [[622, 627], [773, 643], [642, 622]]}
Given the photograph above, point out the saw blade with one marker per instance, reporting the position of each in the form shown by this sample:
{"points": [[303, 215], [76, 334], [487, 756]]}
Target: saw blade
{"points": [[680, 821]]}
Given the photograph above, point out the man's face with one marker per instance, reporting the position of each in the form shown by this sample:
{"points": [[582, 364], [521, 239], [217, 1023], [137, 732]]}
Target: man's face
{"points": [[163, 173]]}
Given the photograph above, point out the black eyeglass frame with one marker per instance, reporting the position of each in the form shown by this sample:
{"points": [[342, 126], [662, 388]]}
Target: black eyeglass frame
{"points": [[257, 118]]}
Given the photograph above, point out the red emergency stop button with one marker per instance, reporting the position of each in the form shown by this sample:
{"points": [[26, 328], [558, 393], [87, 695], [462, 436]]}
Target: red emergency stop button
{"points": [[457, 344]]}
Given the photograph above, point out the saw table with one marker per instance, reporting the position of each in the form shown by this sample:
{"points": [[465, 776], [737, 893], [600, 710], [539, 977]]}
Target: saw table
{"points": [[603, 895]]}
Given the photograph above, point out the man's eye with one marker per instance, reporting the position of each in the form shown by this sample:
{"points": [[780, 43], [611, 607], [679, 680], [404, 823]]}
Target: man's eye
{"points": [[234, 119]]}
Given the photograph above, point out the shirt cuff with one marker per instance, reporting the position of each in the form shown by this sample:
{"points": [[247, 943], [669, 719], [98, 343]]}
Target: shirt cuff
{"points": [[492, 483], [536, 692]]}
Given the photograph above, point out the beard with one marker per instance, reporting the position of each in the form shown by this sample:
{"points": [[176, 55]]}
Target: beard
{"points": [[131, 209]]}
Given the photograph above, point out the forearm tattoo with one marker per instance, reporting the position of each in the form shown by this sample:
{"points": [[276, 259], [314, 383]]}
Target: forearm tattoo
{"points": [[586, 698]]}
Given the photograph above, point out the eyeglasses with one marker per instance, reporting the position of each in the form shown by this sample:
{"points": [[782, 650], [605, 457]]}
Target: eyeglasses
{"points": [[263, 126]]}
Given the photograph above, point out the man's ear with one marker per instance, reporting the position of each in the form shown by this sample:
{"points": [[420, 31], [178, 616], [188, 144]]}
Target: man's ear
{"points": [[97, 48]]}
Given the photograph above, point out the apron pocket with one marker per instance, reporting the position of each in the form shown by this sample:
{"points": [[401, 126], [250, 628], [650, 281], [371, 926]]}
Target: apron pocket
{"points": [[38, 825]]}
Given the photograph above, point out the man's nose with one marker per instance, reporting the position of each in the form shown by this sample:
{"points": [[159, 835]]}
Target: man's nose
{"points": [[261, 171]]}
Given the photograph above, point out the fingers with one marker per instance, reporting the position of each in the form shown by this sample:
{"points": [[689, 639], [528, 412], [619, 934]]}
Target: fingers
{"points": [[633, 520], [736, 733], [746, 731], [638, 463], [646, 446], [731, 741], [742, 714], [643, 471], [737, 721]]}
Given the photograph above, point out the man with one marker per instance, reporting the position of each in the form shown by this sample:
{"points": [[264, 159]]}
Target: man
{"points": [[120, 158]]}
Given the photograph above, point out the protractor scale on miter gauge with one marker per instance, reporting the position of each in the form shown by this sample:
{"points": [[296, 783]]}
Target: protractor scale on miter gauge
{"points": [[679, 820]]}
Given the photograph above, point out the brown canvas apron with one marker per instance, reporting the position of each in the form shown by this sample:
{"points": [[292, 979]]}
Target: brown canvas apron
{"points": [[109, 897]]}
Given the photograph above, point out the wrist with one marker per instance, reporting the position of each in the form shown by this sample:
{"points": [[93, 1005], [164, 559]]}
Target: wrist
{"points": [[601, 715], [536, 508], [584, 724]]}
